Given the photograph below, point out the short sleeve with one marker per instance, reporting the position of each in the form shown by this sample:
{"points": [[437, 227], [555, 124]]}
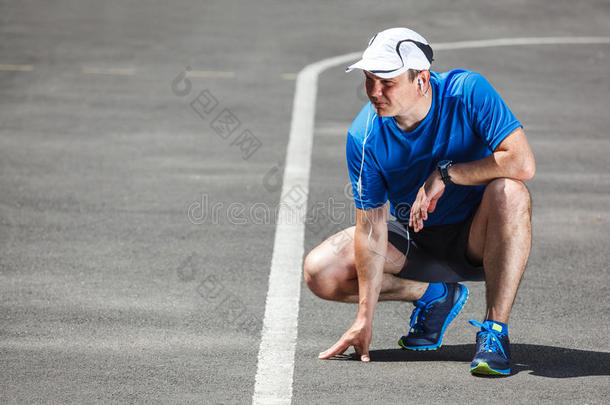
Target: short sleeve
{"points": [[373, 192], [491, 118]]}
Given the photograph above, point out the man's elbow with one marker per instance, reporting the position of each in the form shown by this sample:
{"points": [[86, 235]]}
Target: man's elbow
{"points": [[527, 169]]}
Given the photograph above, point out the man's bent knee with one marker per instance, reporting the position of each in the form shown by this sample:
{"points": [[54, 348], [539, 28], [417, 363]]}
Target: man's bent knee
{"points": [[322, 276], [311, 267], [509, 196]]}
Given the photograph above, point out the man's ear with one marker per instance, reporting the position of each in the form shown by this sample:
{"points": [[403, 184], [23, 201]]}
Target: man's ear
{"points": [[424, 77]]}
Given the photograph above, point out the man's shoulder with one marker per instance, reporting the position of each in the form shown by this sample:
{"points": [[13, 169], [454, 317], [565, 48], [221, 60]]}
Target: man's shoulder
{"points": [[458, 82], [363, 124]]}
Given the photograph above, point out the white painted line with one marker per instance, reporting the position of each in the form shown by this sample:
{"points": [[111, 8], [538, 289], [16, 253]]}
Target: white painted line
{"points": [[210, 74], [16, 68], [492, 43], [108, 71], [276, 353], [275, 370]]}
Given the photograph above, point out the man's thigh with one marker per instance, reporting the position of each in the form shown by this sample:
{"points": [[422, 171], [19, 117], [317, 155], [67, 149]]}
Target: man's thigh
{"points": [[499, 194], [337, 253]]}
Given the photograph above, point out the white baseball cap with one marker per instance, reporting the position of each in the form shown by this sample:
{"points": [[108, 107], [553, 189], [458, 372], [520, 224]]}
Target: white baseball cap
{"points": [[394, 51]]}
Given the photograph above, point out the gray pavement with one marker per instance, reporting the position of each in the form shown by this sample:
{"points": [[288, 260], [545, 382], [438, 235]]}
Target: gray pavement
{"points": [[110, 292]]}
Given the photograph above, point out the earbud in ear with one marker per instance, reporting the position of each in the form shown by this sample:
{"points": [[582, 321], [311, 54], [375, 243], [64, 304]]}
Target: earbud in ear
{"points": [[421, 85]]}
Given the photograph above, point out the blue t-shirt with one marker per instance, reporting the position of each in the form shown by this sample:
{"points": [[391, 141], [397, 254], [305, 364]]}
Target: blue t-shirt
{"points": [[467, 121]]}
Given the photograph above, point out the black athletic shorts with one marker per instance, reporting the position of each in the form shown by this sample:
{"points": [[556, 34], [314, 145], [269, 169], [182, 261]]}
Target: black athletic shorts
{"points": [[436, 253]]}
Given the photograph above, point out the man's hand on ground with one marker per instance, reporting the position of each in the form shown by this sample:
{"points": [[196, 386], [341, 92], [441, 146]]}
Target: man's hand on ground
{"points": [[358, 335], [425, 202]]}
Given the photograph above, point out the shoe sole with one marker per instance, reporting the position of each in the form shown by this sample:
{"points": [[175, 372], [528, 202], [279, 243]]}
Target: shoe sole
{"points": [[457, 308], [483, 369]]}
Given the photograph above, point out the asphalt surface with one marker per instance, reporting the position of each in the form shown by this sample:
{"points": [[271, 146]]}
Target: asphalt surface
{"points": [[130, 270]]}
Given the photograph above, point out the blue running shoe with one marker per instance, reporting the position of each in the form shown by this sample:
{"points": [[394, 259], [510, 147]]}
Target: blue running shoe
{"points": [[430, 319], [493, 350]]}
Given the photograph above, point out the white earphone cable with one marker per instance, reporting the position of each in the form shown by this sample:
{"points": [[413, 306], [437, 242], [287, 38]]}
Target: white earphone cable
{"points": [[367, 132]]}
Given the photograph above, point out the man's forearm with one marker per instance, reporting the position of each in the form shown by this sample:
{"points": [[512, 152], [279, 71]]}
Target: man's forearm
{"points": [[370, 259], [483, 171], [512, 159]]}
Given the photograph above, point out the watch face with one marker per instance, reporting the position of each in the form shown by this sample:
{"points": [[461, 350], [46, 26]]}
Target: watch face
{"points": [[444, 163]]}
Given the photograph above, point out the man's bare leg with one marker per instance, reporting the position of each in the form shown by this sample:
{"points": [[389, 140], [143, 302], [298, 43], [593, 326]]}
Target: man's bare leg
{"points": [[500, 238], [330, 272], [392, 289]]}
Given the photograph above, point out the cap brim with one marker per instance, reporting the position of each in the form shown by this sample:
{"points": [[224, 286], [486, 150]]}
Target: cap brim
{"points": [[378, 68]]}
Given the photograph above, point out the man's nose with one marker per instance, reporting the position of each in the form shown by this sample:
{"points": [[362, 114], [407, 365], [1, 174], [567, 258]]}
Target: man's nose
{"points": [[376, 89]]}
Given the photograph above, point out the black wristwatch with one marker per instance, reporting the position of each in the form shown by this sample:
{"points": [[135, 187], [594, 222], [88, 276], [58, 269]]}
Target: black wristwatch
{"points": [[443, 169]]}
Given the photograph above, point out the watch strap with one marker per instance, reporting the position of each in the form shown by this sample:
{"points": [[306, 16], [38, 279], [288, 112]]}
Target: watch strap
{"points": [[443, 168]]}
